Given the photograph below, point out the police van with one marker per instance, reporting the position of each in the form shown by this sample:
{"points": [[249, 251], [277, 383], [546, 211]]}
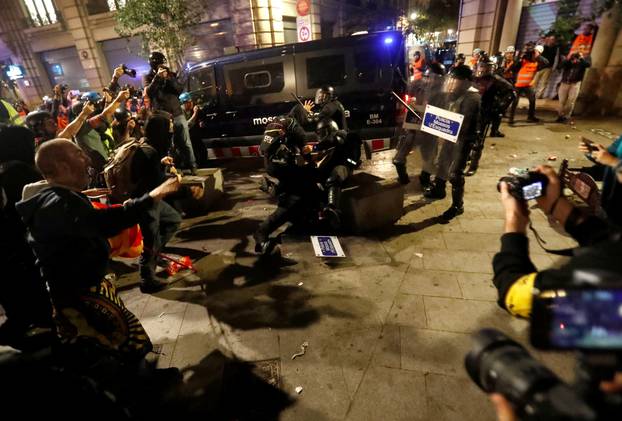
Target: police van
{"points": [[241, 93]]}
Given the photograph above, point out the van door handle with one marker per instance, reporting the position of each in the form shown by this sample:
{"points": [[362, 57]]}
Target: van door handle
{"points": [[212, 115], [231, 112]]}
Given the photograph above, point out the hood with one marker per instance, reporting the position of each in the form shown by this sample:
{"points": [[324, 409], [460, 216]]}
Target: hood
{"points": [[34, 188]]}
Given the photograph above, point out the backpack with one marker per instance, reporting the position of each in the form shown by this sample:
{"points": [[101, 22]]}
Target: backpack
{"points": [[118, 171]]}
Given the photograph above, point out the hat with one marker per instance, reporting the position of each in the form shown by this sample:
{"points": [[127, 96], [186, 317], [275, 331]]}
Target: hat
{"points": [[539, 48], [477, 51], [510, 49]]}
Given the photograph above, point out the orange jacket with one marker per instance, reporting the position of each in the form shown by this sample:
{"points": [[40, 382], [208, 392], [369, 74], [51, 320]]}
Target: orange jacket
{"points": [[418, 66], [581, 39], [526, 74]]}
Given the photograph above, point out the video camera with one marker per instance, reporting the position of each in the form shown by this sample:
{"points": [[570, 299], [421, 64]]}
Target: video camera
{"points": [[524, 185], [130, 72], [579, 318]]}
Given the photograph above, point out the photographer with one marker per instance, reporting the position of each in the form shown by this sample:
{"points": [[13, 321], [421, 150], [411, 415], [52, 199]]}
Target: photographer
{"points": [[61, 106], [608, 168], [515, 276], [163, 90], [573, 70]]}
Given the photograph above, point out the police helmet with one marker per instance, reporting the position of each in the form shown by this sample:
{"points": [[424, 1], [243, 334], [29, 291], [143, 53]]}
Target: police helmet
{"points": [[156, 59], [91, 96], [326, 129], [185, 97], [324, 95], [461, 72], [121, 114], [484, 68], [435, 68], [35, 118]]}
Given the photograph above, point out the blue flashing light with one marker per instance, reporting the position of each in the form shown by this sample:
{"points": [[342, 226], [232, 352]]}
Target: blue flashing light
{"points": [[388, 40]]}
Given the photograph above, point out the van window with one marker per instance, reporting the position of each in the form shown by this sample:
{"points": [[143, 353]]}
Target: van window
{"points": [[326, 70], [201, 85], [255, 80], [366, 67]]}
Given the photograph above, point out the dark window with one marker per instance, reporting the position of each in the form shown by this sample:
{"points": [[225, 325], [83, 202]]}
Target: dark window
{"points": [[201, 85], [366, 67], [327, 70], [327, 29], [257, 80], [250, 81]]}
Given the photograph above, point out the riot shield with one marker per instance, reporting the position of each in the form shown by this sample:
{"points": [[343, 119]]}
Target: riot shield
{"points": [[433, 122]]}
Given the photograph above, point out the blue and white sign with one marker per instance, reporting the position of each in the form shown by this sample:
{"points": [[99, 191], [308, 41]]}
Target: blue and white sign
{"points": [[327, 246], [442, 123]]}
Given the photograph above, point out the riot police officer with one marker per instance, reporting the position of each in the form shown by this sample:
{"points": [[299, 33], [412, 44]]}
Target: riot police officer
{"points": [[327, 105], [461, 98], [297, 190], [420, 92], [497, 95], [342, 156]]}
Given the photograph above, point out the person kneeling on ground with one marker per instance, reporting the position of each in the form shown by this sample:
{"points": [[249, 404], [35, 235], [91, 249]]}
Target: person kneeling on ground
{"points": [[70, 240]]}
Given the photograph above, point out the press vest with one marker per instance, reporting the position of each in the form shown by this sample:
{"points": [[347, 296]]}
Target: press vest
{"points": [[526, 74]]}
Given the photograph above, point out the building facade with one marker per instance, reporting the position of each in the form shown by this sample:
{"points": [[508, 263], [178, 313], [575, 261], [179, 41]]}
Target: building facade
{"points": [[74, 42], [493, 25]]}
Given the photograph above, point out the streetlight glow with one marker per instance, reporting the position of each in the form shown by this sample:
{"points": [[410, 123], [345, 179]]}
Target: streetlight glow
{"points": [[414, 16]]}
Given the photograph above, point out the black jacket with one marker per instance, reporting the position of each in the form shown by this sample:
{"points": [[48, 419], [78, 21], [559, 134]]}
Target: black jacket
{"points": [[573, 72], [164, 93], [70, 237], [600, 248]]}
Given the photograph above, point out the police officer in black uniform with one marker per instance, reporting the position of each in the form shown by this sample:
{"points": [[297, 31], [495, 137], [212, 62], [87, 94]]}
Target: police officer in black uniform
{"points": [[329, 108], [497, 95], [460, 98], [420, 93], [297, 190], [342, 156]]}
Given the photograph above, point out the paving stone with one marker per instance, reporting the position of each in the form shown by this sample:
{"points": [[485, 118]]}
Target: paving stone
{"points": [[156, 306], [472, 241], [190, 350], [456, 399], [482, 225], [433, 351], [135, 301], [477, 286], [458, 315], [408, 310], [198, 321], [433, 283], [390, 394], [457, 261], [163, 329]]}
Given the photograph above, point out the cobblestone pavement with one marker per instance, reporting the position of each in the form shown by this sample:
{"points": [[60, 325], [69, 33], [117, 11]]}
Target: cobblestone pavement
{"points": [[387, 327]]}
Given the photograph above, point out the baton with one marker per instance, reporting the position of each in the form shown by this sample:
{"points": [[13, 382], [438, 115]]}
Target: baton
{"points": [[406, 105], [300, 102]]}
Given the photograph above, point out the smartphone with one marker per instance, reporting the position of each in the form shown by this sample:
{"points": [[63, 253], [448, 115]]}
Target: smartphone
{"points": [[589, 144], [577, 319]]}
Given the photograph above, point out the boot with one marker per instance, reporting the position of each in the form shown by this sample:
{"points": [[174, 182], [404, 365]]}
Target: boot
{"points": [[402, 174], [533, 119], [437, 190], [496, 133], [457, 203], [263, 243], [331, 211], [474, 164], [425, 180]]}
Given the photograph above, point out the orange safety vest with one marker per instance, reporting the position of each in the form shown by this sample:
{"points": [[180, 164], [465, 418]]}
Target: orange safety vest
{"points": [[526, 74], [418, 68], [581, 39]]}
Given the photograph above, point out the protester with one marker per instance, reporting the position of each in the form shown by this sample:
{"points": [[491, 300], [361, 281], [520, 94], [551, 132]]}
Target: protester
{"points": [[584, 41], [418, 66], [550, 50], [526, 69], [70, 240]]}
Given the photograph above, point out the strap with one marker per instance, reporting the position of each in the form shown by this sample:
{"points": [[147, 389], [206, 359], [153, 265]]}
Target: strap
{"points": [[563, 252]]}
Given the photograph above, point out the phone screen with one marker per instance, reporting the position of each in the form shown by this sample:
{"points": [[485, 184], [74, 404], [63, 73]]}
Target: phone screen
{"points": [[583, 319], [533, 190]]}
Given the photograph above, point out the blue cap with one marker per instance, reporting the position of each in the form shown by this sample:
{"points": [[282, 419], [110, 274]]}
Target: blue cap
{"points": [[91, 96], [185, 97]]}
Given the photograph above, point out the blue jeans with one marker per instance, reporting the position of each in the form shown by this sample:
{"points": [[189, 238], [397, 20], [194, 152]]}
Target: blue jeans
{"points": [[158, 225], [183, 145]]}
